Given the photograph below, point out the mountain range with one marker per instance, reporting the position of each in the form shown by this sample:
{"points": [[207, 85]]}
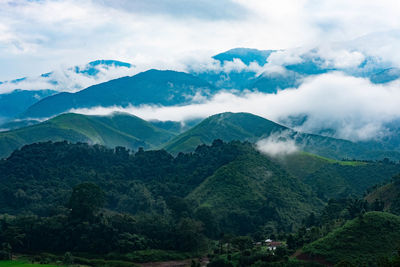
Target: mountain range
{"points": [[245, 126], [149, 87], [19, 94], [235, 71], [121, 129], [116, 130]]}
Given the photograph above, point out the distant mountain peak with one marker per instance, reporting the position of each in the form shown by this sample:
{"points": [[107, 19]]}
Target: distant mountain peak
{"points": [[246, 55]]}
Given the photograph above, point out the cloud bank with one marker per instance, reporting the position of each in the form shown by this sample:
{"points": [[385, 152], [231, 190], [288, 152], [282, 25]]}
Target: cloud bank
{"points": [[38, 36], [354, 108], [69, 79]]}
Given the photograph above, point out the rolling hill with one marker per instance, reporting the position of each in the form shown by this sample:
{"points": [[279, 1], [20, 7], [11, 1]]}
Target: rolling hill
{"points": [[361, 241], [225, 126], [389, 194], [116, 130], [149, 87], [253, 188], [248, 127], [336, 179]]}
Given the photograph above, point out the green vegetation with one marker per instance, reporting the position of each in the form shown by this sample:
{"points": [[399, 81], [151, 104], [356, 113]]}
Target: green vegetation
{"points": [[249, 127], [388, 194], [337, 179], [118, 129], [363, 240], [22, 264], [224, 126], [221, 200], [132, 132], [252, 189]]}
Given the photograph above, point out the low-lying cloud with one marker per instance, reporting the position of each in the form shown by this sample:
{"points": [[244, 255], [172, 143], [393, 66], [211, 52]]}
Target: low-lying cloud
{"points": [[277, 145], [353, 108]]}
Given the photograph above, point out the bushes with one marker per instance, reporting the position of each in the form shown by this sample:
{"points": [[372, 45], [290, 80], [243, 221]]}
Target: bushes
{"points": [[220, 263], [5, 255], [103, 263], [158, 255]]}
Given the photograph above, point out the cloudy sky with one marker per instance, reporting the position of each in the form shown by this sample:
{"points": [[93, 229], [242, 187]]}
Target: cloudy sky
{"points": [[37, 36]]}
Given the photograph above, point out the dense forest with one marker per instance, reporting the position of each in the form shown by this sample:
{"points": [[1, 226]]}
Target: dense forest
{"points": [[136, 206]]}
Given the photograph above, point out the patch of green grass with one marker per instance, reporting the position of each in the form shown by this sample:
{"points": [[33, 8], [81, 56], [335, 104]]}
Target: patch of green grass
{"points": [[18, 263], [153, 255]]}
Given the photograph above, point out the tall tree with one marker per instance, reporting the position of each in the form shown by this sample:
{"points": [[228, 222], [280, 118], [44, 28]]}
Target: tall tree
{"points": [[85, 201]]}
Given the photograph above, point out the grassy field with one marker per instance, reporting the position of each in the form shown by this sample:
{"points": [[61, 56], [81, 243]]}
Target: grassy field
{"points": [[22, 264]]}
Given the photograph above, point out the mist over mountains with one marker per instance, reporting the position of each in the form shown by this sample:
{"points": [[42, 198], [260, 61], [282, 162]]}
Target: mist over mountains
{"points": [[337, 90]]}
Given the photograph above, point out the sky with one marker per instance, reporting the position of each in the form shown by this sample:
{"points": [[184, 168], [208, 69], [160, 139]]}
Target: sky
{"points": [[37, 36]]}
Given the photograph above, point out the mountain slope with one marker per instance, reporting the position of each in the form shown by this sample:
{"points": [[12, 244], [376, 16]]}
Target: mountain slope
{"points": [[246, 55], [225, 126], [236, 69], [19, 94], [249, 127], [388, 194], [14, 103], [241, 188], [361, 241], [386, 75], [272, 82], [253, 186], [117, 130], [336, 179], [150, 87]]}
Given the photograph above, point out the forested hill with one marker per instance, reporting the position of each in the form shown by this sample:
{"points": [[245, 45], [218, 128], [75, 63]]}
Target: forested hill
{"points": [[114, 200], [39, 179], [389, 194], [363, 241]]}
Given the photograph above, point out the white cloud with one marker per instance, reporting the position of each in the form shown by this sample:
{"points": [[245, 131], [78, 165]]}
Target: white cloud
{"points": [[68, 80], [354, 107], [38, 36], [277, 145], [340, 58]]}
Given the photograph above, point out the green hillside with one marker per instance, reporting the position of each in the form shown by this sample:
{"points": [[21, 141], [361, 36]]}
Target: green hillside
{"points": [[116, 130], [253, 188], [361, 241], [248, 127], [336, 179], [389, 194], [225, 126]]}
